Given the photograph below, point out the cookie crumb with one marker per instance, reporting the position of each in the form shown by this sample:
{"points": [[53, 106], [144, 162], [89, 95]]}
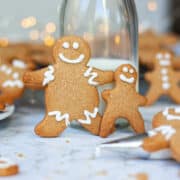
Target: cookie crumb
{"points": [[140, 176], [67, 141], [20, 155], [102, 173], [7, 167]]}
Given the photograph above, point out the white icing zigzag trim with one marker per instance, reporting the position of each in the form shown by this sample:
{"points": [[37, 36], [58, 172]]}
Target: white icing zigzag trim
{"points": [[59, 117], [48, 75], [125, 79], [166, 131], [72, 61], [171, 117], [88, 116], [92, 76], [13, 83]]}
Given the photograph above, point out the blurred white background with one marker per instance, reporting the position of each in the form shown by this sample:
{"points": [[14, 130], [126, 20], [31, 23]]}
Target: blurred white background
{"points": [[15, 14]]}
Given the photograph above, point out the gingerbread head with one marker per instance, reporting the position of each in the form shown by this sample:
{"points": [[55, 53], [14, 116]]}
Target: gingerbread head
{"points": [[126, 75], [70, 50]]}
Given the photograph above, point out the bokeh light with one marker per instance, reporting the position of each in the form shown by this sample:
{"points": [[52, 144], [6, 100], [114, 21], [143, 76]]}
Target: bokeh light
{"points": [[28, 22], [50, 27], [49, 40], [34, 35], [152, 5], [4, 41]]}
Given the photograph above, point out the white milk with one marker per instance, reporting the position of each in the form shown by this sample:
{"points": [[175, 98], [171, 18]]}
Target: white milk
{"points": [[106, 64]]}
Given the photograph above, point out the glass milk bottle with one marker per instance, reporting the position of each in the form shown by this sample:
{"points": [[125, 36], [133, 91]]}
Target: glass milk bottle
{"points": [[109, 26]]}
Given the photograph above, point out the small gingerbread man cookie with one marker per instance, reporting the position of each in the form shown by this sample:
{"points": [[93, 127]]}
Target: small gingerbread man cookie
{"points": [[70, 88], [166, 133], [7, 167], [123, 101], [11, 81], [163, 79]]}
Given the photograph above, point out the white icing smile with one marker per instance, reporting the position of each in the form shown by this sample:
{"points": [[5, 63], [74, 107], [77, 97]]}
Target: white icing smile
{"points": [[71, 61], [75, 46], [125, 79]]}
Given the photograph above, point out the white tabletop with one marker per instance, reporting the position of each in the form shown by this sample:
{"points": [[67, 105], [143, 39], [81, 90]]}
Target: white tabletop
{"points": [[72, 155]]}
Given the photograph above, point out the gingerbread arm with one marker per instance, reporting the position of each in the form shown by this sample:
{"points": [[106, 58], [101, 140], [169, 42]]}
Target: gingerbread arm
{"points": [[104, 77], [175, 145], [38, 79], [106, 94], [155, 143], [177, 75], [141, 100]]}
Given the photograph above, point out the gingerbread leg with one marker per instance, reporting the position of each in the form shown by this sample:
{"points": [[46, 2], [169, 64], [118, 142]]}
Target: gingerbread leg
{"points": [[2, 106], [3, 102], [107, 124], [52, 125], [91, 121], [175, 95], [136, 121], [152, 96], [175, 146]]}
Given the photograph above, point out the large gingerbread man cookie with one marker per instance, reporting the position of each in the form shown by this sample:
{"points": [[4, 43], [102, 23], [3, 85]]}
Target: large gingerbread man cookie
{"points": [[166, 133], [163, 79], [123, 101], [70, 88], [11, 81]]}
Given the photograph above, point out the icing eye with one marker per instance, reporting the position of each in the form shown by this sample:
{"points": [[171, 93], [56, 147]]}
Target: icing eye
{"points": [[125, 69], [131, 71], [167, 56], [159, 56], [66, 45], [75, 45]]}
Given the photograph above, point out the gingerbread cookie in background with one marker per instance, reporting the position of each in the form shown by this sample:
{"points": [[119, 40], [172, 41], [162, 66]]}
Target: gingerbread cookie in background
{"points": [[166, 133], [70, 88], [30, 52], [168, 39], [150, 43], [123, 101], [12, 51], [7, 167], [40, 54], [11, 81], [163, 79], [146, 56]]}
